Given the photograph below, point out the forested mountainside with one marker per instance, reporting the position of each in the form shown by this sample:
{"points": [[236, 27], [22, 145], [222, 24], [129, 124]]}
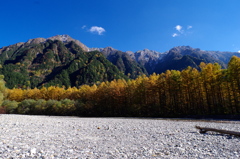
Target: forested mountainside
{"points": [[61, 60], [54, 62]]}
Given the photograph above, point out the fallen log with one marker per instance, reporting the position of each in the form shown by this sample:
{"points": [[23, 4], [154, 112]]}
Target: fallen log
{"points": [[205, 129]]}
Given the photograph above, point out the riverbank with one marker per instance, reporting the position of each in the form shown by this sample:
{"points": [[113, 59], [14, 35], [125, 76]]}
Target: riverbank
{"points": [[24, 136]]}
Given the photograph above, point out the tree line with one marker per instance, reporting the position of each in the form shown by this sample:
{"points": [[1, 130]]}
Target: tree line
{"points": [[209, 91]]}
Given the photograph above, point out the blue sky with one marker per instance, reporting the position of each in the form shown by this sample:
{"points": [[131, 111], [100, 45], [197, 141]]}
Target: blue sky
{"points": [[127, 25]]}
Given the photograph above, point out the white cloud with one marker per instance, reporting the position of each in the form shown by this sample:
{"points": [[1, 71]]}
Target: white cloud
{"points": [[84, 26], [181, 31], [98, 30], [174, 35], [238, 51], [178, 28], [189, 27]]}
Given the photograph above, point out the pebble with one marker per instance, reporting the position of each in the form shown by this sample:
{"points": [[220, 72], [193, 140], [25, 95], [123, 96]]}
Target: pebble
{"points": [[25, 136], [33, 151]]}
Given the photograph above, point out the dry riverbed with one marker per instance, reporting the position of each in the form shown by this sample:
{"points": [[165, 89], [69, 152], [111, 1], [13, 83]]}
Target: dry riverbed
{"points": [[23, 136]]}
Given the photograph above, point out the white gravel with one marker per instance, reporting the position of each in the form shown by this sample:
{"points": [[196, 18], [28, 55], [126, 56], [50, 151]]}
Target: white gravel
{"points": [[23, 136]]}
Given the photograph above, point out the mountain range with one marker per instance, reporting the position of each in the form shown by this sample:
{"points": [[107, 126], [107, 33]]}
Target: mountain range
{"points": [[64, 61], [177, 58]]}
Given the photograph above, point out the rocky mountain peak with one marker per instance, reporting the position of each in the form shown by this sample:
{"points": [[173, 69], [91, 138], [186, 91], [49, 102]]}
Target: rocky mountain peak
{"points": [[109, 49], [146, 50], [106, 51], [182, 49], [36, 41], [66, 38], [146, 55]]}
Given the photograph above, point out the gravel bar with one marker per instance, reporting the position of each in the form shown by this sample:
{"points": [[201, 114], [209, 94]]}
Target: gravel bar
{"points": [[25, 136]]}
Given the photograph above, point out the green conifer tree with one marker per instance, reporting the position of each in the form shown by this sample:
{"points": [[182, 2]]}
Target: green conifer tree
{"points": [[2, 89]]}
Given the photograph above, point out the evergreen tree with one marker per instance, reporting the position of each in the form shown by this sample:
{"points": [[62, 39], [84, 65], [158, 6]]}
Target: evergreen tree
{"points": [[2, 89]]}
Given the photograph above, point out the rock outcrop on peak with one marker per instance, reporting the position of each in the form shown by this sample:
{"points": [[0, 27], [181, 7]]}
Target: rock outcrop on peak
{"points": [[66, 39], [36, 41]]}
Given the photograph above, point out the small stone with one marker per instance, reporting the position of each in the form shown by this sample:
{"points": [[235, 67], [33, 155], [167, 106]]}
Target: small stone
{"points": [[33, 151], [150, 151], [70, 151]]}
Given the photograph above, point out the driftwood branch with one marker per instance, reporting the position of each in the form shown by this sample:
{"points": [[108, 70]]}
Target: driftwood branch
{"points": [[205, 129]]}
